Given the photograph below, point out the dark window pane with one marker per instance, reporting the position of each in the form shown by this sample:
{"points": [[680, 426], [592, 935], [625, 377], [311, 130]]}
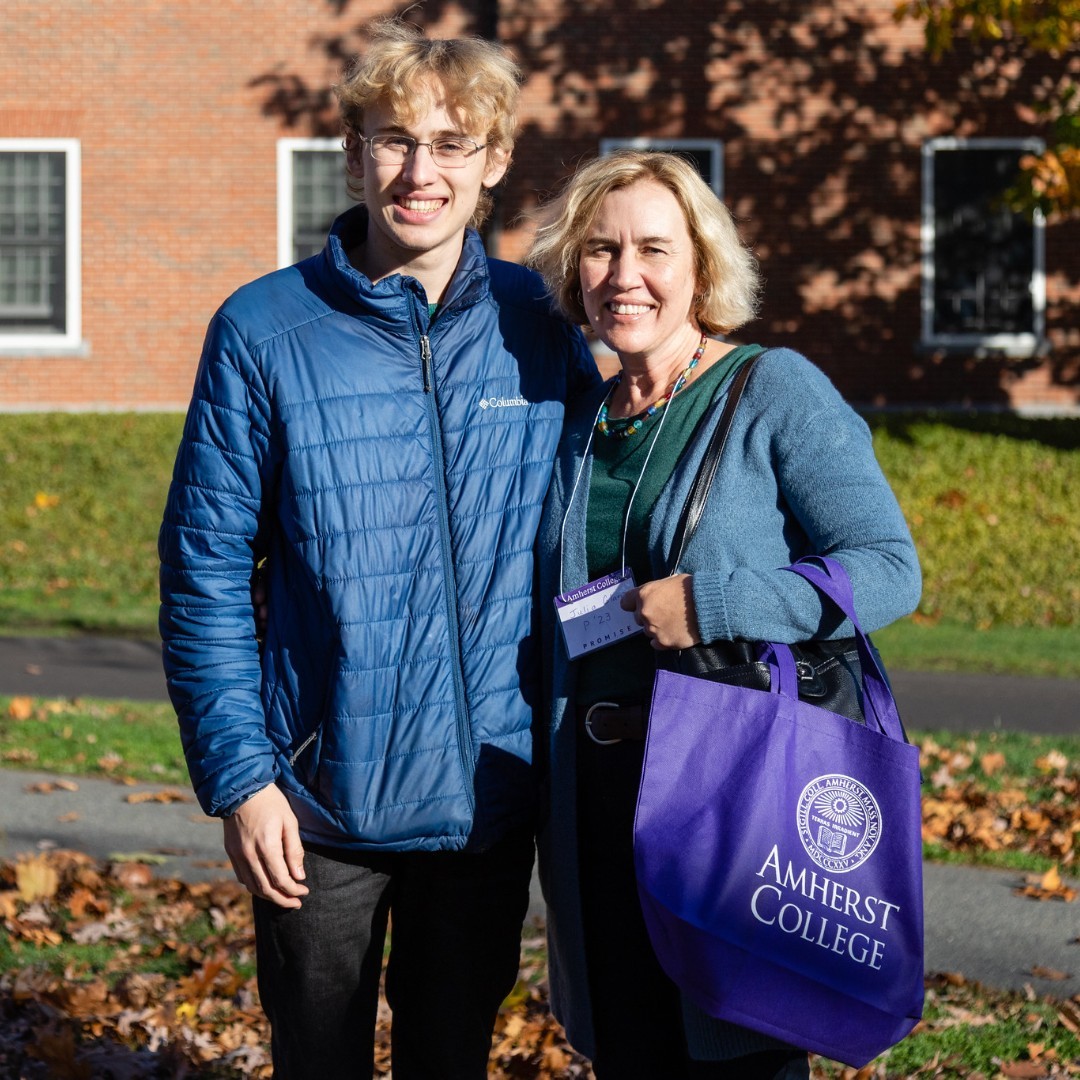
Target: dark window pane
{"points": [[319, 195], [984, 254], [32, 242], [704, 156], [703, 160]]}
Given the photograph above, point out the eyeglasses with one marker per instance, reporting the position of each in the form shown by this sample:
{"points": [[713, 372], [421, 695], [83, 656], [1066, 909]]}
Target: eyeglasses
{"points": [[448, 152]]}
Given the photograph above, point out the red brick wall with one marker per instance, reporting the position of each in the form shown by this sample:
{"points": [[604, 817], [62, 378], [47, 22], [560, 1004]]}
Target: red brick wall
{"points": [[822, 109], [178, 171]]}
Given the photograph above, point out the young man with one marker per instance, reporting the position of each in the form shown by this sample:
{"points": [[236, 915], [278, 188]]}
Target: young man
{"points": [[379, 422]]}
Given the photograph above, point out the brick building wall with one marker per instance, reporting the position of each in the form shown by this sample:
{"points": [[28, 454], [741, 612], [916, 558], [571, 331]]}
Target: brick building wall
{"points": [[179, 197], [821, 110]]}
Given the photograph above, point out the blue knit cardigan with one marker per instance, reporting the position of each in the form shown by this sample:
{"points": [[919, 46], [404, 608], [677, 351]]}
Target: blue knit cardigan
{"points": [[798, 477]]}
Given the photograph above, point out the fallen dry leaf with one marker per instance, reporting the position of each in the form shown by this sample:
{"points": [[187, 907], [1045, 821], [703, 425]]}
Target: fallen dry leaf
{"points": [[167, 795], [36, 878], [21, 708], [20, 755], [1069, 1016], [132, 875], [1041, 972], [150, 858], [83, 902], [953, 978], [47, 787], [1054, 761], [1048, 886]]}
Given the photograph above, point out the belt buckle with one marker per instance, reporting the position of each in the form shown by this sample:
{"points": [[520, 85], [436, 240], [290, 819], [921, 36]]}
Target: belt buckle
{"points": [[588, 723]]}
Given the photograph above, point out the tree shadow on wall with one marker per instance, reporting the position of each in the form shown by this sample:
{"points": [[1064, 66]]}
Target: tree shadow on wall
{"points": [[821, 123], [312, 109]]}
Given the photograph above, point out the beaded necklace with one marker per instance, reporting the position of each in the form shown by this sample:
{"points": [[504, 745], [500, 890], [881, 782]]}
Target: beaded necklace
{"points": [[638, 422]]}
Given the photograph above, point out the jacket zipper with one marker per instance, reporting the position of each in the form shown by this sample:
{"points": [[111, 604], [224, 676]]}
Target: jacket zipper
{"points": [[425, 361], [314, 734], [464, 734], [304, 745]]}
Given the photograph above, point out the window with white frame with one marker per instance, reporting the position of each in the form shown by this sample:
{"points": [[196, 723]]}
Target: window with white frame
{"points": [[706, 155], [983, 284], [40, 230], [311, 192]]}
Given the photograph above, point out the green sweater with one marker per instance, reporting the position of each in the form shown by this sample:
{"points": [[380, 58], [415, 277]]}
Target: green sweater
{"points": [[624, 672]]}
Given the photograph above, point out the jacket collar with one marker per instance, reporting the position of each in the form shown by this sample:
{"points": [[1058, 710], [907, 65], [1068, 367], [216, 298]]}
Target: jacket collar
{"points": [[398, 296]]}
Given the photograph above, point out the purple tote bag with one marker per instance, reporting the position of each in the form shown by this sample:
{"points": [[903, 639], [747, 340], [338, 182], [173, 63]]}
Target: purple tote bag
{"points": [[778, 854]]}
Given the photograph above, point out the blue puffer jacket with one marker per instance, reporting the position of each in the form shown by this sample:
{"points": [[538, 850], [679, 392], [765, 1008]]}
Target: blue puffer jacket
{"points": [[393, 473]]}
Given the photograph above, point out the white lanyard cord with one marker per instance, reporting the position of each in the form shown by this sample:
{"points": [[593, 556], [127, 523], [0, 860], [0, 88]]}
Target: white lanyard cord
{"points": [[574, 490], [637, 484], [577, 482]]}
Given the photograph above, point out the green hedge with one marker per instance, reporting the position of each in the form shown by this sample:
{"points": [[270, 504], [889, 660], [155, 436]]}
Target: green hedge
{"points": [[993, 502]]}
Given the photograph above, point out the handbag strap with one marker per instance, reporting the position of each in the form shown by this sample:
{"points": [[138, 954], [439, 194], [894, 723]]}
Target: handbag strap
{"points": [[694, 506], [831, 579], [825, 574]]}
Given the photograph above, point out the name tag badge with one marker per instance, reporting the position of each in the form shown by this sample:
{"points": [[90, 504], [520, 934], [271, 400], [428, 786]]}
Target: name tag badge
{"points": [[591, 617]]}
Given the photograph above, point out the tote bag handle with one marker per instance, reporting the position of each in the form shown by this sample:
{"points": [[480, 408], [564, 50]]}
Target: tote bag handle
{"points": [[830, 579]]}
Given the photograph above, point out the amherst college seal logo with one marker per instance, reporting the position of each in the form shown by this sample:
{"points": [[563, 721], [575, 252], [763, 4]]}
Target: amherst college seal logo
{"points": [[839, 822]]}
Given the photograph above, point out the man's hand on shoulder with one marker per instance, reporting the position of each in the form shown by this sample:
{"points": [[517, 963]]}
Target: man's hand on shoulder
{"points": [[262, 840]]}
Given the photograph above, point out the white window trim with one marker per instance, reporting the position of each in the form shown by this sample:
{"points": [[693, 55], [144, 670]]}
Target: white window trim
{"points": [[1017, 346], [286, 148], [71, 339], [714, 146]]}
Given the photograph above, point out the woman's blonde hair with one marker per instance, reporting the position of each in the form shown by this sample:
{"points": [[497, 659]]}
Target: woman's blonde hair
{"points": [[403, 70], [726, 272]]}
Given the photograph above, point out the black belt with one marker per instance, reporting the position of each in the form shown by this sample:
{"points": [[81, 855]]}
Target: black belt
{"points": [[606, 723]]}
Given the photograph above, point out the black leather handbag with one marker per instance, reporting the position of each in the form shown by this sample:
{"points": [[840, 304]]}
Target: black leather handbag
{"points": [[830, 674]]}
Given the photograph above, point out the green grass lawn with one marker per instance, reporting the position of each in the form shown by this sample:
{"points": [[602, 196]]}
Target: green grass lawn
{"points": [[81, 498], [1003, 650], [994, 506], [993, 503], [89, 737]]}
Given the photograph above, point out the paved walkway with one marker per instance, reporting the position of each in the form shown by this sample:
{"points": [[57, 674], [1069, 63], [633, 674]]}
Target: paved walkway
{"points": [[976, 923], [109, 667]]}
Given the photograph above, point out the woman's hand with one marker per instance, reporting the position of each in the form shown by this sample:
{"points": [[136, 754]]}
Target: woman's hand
{"points": [[665, 610]]}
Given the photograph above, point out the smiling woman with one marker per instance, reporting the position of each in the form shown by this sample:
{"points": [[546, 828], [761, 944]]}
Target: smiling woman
{"points": [[638, 280], [642, 249]]}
